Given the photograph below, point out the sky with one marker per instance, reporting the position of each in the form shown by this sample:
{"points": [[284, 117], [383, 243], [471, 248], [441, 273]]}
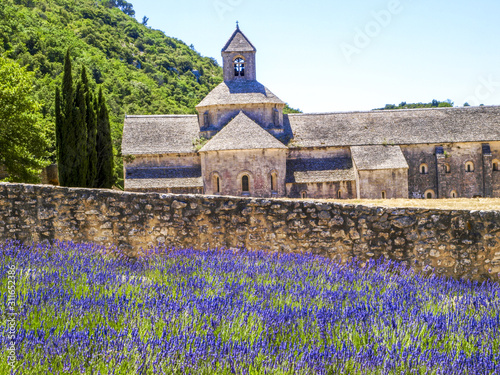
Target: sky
{"points": [[330, 56]]}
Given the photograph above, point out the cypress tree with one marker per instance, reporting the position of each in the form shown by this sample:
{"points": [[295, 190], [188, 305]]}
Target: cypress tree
{"points": [[91, 121], [59, 133], [79, 159], [105, 177], [64, 121], [83, 134]]}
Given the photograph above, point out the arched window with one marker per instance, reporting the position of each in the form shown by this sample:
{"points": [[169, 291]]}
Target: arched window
{"points": [[447, 168], [245, 184], [239, 67], [339, 194], [430, 194], [424, 168], [216, 184], [303, 194], [453, 194], [469, 166], [274, 182], [496, 165], [384, 195]]}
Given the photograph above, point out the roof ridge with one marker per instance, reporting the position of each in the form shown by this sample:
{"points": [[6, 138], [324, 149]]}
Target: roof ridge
{"points": [[238, 30], [240, 93], [158, 116], [267, 139], [395, 110]]}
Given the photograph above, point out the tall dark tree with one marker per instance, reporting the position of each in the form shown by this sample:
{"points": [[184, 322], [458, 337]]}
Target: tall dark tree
{"points": [[91, 122], [71, 129], [105, 175], [83, 132], [64, 119], [59, 134], [77, 175]]}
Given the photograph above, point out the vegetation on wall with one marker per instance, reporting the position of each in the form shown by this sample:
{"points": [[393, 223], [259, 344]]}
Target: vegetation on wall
{"points": [[141, 70]]}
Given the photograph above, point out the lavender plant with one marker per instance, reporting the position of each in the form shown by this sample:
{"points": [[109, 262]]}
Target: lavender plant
{"points": [[177, 311]]}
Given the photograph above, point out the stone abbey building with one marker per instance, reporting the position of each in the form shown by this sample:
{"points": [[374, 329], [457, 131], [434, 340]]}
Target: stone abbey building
{"points": [[250, 148]]}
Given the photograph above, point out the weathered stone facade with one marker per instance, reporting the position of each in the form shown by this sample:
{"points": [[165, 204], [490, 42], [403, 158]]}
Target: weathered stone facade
{"points": [[447, 171], [230, 166], [453, 243], [430, 153]]}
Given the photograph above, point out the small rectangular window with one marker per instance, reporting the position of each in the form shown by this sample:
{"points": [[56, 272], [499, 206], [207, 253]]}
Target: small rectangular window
{"points": [[276, 117]]}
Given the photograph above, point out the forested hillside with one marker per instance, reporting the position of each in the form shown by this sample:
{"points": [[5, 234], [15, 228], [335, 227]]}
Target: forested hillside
{"points": [[141, 71]]}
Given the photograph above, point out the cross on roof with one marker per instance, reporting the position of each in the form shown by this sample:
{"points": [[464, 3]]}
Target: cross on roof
{"points": [[237, 25]]}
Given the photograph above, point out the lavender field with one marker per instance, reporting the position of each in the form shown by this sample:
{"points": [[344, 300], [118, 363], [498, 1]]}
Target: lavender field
{"points": [[79, 311]]}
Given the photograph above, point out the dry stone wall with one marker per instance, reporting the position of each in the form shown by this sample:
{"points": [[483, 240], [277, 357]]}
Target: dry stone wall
{"points": [[454, 243]]}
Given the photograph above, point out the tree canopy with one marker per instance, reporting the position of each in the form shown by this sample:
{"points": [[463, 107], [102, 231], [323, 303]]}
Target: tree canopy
{"points": [[433, 104], [23, 139]]}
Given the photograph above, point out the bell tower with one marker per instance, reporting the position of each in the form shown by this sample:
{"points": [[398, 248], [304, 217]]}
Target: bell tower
{"points": [[238, 58]]}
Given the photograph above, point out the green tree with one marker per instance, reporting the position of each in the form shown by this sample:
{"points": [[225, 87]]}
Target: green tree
{"points": [[23, 141], [91, 122], [65, 143], [287, 110], [105, 176], [404, 105], [71, 129], [78, 174]]}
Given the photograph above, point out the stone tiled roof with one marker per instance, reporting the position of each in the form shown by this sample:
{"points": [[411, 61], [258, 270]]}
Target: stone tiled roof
{"points": [[239, 92], [157, 178], [162, 183], [416, 126], [242, 133], [378, 157], [159, 134], [238, 42], [302, 171]]}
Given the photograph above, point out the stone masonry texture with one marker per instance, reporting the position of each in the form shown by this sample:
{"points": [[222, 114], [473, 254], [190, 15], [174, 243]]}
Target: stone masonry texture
{"points": [[459, 244]]}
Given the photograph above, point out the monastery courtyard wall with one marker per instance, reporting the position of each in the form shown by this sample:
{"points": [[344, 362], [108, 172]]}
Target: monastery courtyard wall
{"points": [[454, 243]]}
